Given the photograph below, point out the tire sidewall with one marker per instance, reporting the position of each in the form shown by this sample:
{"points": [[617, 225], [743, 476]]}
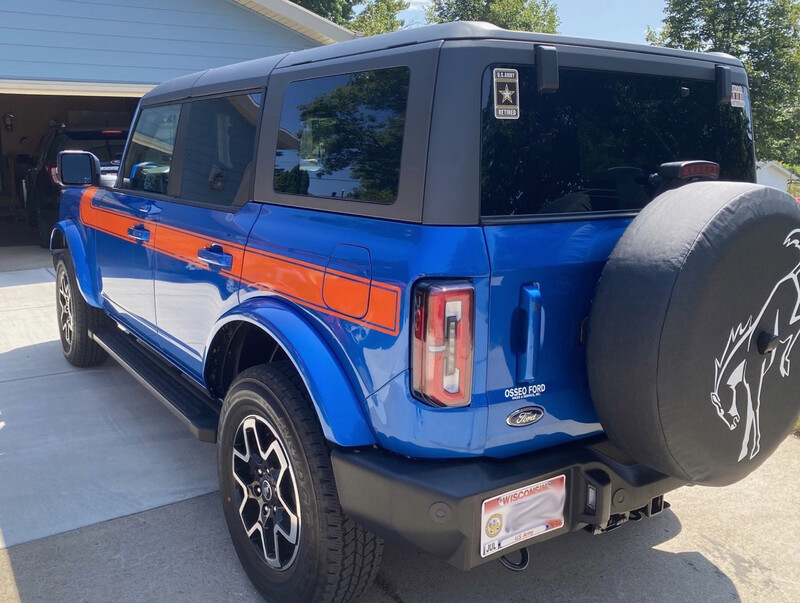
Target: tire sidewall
{"points": [[64, 269], [253, 397]]}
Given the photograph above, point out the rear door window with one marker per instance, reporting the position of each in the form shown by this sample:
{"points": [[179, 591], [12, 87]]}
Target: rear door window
{"points": [[149, 157], [342, 136], [219, 149], [595, 144]]}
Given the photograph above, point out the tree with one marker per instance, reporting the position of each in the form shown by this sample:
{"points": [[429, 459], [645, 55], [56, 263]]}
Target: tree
{"points": [[379, 16], [338, 11], [526, 15], [764, 35], [293, 181], [359, 126]]}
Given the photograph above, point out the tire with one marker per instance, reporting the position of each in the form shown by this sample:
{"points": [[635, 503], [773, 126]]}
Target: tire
{"points": [[33, 218], [692, 328], [76, 318], [46, 217], [31, 209], [43, 232], [312, 551]]}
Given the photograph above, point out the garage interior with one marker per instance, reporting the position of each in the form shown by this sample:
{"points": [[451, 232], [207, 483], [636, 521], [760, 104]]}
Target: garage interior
{"points": [[26, 118], [68, 62]]}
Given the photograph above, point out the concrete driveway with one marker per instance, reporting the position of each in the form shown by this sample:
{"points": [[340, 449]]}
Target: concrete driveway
{"points": [[105, 496]]}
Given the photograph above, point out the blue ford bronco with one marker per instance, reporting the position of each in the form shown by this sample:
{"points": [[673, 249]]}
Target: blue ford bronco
{"points": [[459, 287]]}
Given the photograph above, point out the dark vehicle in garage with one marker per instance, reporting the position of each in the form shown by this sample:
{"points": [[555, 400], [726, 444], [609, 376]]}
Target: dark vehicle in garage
{"points": [[42, 187]]}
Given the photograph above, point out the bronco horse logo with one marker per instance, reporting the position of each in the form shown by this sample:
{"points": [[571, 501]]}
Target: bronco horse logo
{"points": [[744, 375]]}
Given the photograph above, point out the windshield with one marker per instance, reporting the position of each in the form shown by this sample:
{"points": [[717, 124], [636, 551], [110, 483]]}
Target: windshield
{"points": [[594, 144]]}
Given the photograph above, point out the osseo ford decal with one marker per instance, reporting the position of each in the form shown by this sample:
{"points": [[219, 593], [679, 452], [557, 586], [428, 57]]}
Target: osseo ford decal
{"points": [[526, 391]]}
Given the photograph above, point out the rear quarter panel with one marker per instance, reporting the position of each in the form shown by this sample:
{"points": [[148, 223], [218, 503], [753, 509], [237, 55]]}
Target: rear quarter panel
{"points": [[298, 255]]}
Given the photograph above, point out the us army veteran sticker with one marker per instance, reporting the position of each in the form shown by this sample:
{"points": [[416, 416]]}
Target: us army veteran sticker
{"points": [[737, 96], [506, 93]]}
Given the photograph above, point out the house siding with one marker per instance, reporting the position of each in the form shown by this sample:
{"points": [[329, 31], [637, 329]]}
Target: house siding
{"points": [[132, 41]]}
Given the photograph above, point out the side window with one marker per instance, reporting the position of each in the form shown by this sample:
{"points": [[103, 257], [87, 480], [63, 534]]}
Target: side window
{"points": [[149, 155], [219, 149], [342, 136]]}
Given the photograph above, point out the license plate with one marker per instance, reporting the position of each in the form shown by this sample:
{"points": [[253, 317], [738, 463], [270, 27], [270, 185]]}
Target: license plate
{"points": [[522, 514]]}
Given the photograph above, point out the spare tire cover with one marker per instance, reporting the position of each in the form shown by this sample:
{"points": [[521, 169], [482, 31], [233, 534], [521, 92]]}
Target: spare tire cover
{"points": [[675, 370]]}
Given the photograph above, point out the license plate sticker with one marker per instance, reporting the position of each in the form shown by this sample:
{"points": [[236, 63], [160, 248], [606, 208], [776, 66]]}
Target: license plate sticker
{"points": [[522, 514]]}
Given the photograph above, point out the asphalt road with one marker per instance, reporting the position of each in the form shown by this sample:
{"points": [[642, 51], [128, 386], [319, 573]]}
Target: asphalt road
{"points": [[105, 496]]}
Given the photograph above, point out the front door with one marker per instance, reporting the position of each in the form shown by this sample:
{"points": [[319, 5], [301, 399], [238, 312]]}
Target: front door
{"points": [[126, 220]]}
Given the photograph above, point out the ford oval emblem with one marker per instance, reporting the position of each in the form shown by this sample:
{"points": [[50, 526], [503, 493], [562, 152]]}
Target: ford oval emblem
{"points": [[525, 416]]}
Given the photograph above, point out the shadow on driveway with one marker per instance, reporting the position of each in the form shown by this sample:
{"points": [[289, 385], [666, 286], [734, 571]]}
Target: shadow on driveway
{"points": [[182, 552]]}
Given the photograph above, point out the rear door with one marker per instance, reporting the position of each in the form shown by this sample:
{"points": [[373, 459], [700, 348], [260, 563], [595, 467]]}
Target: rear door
{"points": [[202, 234], [563, 173]]}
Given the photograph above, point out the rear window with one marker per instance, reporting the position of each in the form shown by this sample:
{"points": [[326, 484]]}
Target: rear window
{"points": [[594, 144], [342, 136], [107, 148]]}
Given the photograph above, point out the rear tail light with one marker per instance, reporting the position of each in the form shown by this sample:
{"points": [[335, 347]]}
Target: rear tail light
{"points": [[442, 348], [52, 171]]}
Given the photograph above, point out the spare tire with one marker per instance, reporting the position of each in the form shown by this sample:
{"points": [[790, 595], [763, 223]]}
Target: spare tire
{"points": [[692, 327]]}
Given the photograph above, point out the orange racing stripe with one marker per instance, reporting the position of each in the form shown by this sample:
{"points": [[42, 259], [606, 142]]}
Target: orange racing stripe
{"points": [[367, 302]]}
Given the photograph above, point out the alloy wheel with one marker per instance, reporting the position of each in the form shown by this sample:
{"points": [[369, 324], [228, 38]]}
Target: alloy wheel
{"points": [[66, 310], [266, 492]]}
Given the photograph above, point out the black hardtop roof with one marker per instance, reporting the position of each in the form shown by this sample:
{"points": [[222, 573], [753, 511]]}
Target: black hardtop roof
{"points": [[254, 74]]}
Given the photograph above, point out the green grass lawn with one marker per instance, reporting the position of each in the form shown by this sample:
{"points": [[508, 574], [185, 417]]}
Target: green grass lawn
{"points": [[797, 427]]}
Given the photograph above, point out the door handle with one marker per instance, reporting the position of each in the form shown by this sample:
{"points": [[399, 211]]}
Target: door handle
{"points": [[214, 256], [528, 360], [139, 232], [148, 209]]}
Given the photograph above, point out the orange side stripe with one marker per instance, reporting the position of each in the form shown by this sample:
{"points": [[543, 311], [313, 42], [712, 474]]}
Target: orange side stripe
{"points": [[184, 245], [303, 283], [346, 296], [106, 220]]}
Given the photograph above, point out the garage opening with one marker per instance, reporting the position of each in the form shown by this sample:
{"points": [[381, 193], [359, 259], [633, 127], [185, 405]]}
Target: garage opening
{"points": [[32, 128]]}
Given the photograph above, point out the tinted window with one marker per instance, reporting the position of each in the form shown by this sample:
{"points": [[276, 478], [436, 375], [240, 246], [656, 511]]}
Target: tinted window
{"points": [[593, 144], [107, 145], [342, 136], [219, 149], [149, 155]]}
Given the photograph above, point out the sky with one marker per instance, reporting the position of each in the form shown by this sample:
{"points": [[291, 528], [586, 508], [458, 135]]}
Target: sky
{"points": [[617, 20]]}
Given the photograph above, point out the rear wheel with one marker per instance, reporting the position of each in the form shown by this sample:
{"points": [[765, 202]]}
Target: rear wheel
{"points": [[44, 229], [76, 318], [33, 216], [279, 496]]}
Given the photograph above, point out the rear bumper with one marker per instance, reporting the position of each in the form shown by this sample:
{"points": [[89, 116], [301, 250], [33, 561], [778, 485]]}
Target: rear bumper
{"points": [[436, 505]]}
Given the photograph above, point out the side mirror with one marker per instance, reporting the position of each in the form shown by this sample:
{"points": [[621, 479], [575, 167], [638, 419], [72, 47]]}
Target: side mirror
{"points": [[78, 168]]}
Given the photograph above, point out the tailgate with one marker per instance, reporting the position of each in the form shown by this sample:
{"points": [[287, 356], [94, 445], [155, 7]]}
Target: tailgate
{"points": [[543, 277]]}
